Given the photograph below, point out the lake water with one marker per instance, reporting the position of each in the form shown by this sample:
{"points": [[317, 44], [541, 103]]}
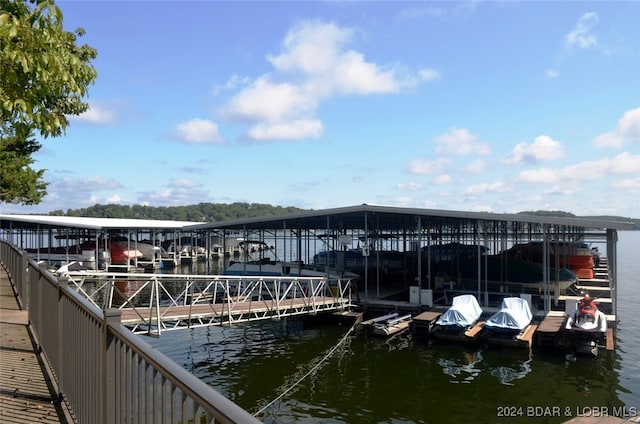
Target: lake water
{"points": [[406, 380]]}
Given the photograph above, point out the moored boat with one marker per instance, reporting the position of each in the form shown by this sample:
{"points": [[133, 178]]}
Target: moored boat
{"points": [[455, 323], [268, 267], [587, 327], [576, 256], [511, 325]]}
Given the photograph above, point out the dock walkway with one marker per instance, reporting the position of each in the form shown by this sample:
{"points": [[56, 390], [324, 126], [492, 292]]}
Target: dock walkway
{"points": [[26, 393]]}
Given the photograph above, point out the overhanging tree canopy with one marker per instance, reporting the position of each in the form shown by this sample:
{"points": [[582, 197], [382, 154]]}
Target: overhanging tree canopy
{"points": [[44, 78]]}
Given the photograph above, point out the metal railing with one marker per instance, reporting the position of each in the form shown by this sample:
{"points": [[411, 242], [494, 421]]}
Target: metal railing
{"points": [[152, 303], [105, 373]]}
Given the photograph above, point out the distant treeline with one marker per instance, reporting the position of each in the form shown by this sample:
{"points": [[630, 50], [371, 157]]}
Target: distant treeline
{"points": [[209, 212], [202, 212], [636, 221]]}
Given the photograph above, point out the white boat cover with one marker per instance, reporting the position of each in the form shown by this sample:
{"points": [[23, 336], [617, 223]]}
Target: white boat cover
{"points": [[463, 312], [514, 314]]}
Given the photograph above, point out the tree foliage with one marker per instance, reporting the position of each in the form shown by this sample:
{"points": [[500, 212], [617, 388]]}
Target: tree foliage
{"points": [[202, 212], [45, 76]]}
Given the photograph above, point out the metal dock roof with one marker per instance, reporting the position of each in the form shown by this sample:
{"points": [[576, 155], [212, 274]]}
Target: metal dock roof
{"points": [[351, 217], [33, 221], [391, 218]]}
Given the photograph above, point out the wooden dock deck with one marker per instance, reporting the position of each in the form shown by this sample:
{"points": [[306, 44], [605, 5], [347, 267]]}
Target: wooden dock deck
{"points": [[423, 322], [26, 392]]}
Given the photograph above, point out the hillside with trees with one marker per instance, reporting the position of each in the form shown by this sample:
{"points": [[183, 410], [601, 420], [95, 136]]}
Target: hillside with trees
{"points": [[202, 212]]}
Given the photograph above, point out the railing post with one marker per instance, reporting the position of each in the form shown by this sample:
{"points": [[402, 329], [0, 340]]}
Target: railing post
{"points": [[22, 281], [156, 292], [112, 317]]}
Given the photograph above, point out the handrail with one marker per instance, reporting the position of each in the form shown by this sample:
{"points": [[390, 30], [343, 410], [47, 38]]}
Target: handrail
{"points": [[152, 303], [104, 372]]}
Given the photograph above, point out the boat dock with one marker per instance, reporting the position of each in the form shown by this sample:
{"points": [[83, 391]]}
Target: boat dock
{"points": [[424, 322]]}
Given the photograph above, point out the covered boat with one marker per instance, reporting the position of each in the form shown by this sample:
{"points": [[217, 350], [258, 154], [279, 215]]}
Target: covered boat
{"points": [[514, 315], [464, 312], [511, 325], [460, 321]]}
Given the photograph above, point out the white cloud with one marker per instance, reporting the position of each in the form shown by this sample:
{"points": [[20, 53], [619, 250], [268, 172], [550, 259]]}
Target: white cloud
{"points": [[422, 166], [234, 82], [178, 192], [198, 131], [265, 100], [183, 183], [539, 176], [543, 149], [452, 9], [114, 199], [311, 47], [427, 74], [460, 142], [631, 185], [97, 114], [442, 179], [581, 36], [290, 131], [89, 184], [622, 164], [485, 188], [475, 167], [403, 201], [627, 131], [411, 186], [561, 190], [313, 65]]}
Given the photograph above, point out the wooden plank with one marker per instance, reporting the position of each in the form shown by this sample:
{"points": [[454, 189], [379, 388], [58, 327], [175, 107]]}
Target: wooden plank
{"points": [[427, 316], [527, 335], [551, 324], [610, 339], [473, 332]]}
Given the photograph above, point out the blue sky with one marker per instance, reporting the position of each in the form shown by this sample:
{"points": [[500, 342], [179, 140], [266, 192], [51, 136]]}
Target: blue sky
{"points": [[482, 106]]}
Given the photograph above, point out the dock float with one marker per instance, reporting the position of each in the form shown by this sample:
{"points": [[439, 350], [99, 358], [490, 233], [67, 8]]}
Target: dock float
{"points": [[549, 330], [424, 322]]}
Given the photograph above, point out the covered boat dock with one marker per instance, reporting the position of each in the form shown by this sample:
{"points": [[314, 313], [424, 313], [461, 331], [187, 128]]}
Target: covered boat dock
{"points": [[432, 253], [422, 255]]}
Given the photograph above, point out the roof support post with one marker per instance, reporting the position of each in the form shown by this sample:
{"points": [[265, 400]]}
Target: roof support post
{"points": [[545, 268]]}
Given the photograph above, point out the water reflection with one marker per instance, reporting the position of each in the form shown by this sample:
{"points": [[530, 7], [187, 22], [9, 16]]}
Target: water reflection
{"points": [[462, 369], [506, 374]]}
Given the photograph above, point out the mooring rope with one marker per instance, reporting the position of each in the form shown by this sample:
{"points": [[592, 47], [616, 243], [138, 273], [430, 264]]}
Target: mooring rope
{"points": [[311, 371]]}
